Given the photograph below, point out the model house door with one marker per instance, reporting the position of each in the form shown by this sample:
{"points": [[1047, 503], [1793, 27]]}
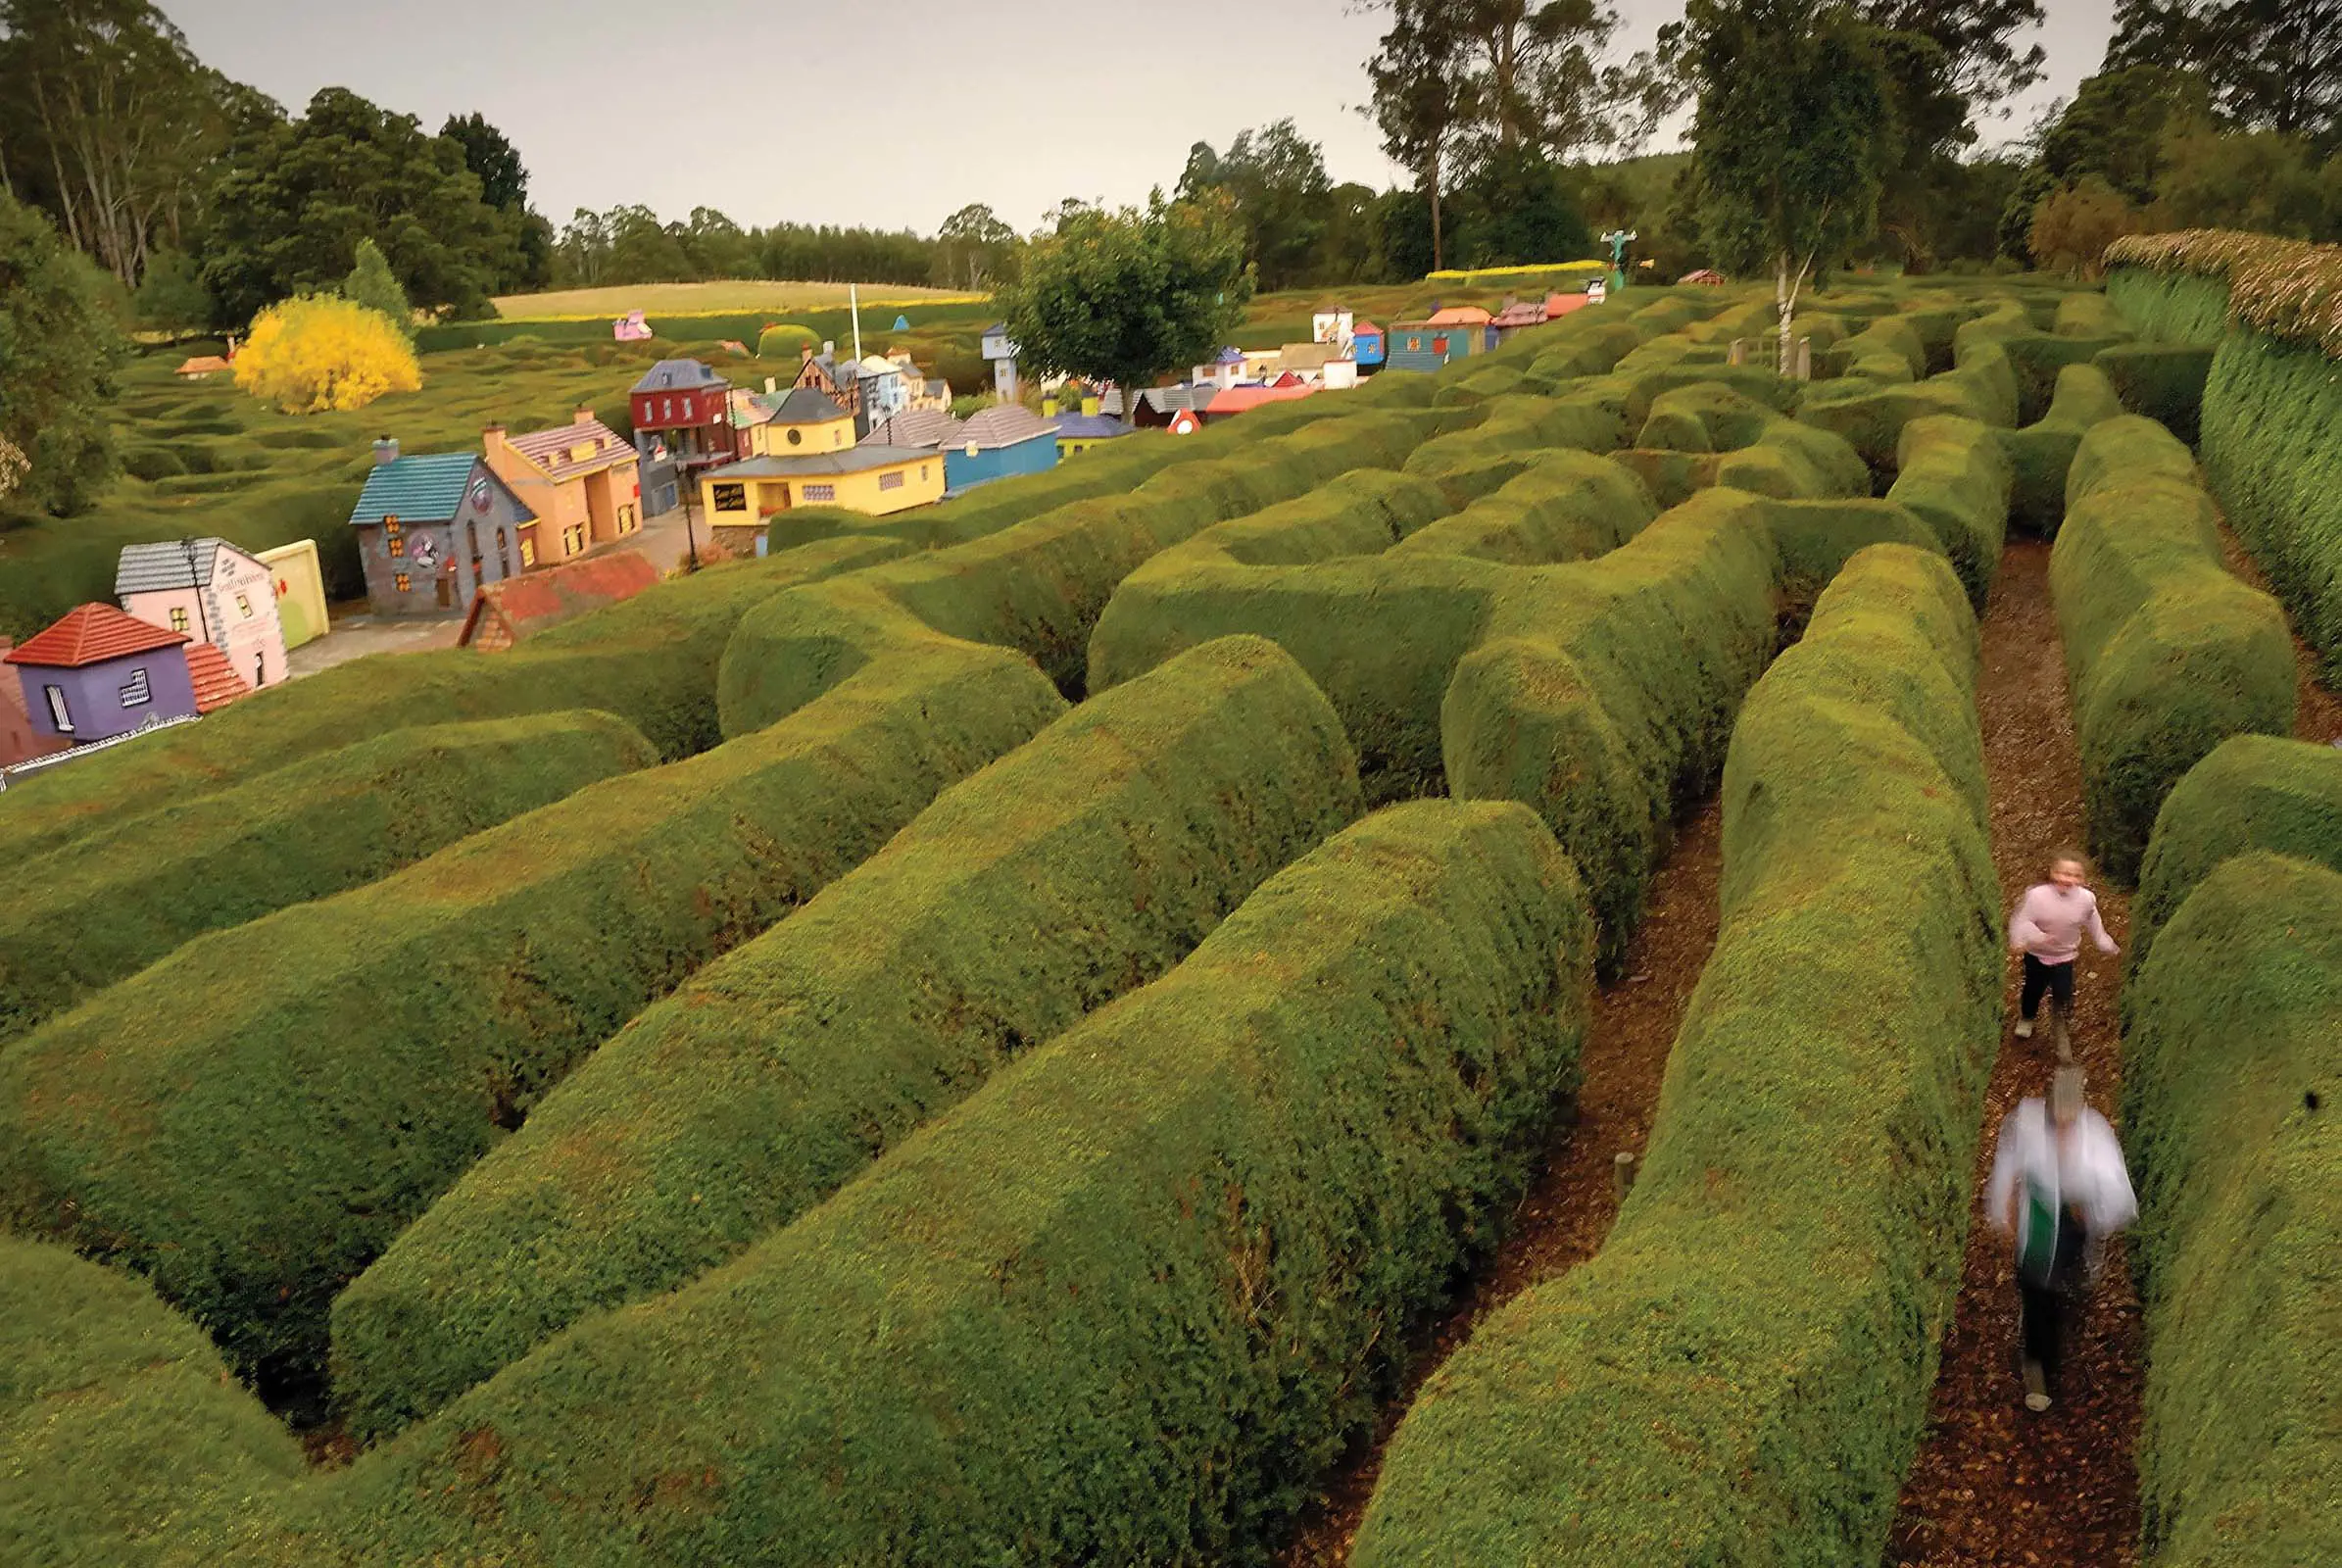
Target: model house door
{"points": [[447, 591]]}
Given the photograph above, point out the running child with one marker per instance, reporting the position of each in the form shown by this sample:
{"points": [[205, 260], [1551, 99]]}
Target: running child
{"points": [[2047, 927]]}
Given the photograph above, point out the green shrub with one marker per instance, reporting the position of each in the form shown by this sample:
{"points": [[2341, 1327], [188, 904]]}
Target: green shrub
{"points": [[253, 1119], [1952, 473], [1742, 1372], [2270, 410], [2231, 1074], [787, 341], [1870, 414], [1670, 477], [1164, 1265], [128, 1442], [1813, 540], [1081, 866], [650, 660], [153, 463], [2089, 315], [104, 906], [2041, 453], [2252, 792], [2161, 382], [2171, 307], [2166, 652]]}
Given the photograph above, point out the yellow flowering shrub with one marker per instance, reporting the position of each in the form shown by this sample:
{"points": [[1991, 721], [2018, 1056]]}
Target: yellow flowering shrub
{"points": [[315, 353]]}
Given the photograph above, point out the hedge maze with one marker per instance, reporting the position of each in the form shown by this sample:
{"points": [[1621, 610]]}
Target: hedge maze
{"points": [[987, 1036]]}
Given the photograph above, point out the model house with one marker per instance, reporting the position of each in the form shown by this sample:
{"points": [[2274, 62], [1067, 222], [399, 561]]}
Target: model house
{"points": [[1517, 316], [504, 613], [580, 480], [19, 742], [826, 466], [298, 577], [100, 672], [999, 443], [885, 393], [1367, 345], [1447, 336], [1079, 432], [683, 410], [1000, 351], [213, 592], [431, 529], [919, 389], [795, 424]]}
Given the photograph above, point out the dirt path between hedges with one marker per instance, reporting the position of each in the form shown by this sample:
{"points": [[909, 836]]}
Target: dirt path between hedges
{"points": [[1568, 1212], [1995, 1484]]}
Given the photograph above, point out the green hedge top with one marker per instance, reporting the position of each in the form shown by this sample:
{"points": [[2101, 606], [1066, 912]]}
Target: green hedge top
{"points": [[2286, 288], [252, 1121], [104, 906], [2252, 792], [1124, 1304], [1079, 866], [2232, 1072], [1741, 1374], [1955, 474]]}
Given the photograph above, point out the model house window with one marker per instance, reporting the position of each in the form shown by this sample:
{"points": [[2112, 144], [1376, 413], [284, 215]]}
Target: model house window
{"points": [[57, 714], [528, 552], [922, 471], [891, 482], [398, 540], [402, 582], [667, 407], [244, 605], [796, 437], [574, 539], [821, 492], [731, 496], [627, 520], [178, 619], [136, 693]]}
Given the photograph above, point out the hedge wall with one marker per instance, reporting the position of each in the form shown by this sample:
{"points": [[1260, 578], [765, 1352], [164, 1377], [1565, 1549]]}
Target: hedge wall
{"points": [[1953, 475], [2253, 792], [2231, 1074], [2271, 411], [252, 1121], [1080, 867], [2040, 454], [1125, 1304], [2166, 652], [650, 660], [1742, 1372], [2163, 381], [104, 906], [1870, 414], [128, 1442]]}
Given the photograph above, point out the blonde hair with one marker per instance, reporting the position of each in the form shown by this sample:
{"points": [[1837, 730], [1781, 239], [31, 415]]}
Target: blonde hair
{"points": [[2066, 1100], [2059, 857]]}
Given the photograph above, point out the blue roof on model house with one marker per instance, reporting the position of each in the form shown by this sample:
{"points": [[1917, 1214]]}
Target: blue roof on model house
{"points": [[424, 489]]}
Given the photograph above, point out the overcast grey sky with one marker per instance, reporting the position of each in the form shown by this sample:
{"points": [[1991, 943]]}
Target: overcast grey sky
{"points": [[892, 115]]}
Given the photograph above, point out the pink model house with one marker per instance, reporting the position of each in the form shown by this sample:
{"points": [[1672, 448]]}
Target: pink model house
{"points": [[212, 592]]}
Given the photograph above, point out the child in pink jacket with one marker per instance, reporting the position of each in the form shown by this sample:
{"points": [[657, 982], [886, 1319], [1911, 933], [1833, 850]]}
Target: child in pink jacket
{"points": [[2047, 927]]}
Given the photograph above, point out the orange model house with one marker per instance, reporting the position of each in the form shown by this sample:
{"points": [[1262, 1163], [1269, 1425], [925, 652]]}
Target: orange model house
{"points": [[582, 480]]}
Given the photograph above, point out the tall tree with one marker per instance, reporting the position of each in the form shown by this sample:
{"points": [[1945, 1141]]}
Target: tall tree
{"points": [[293, 200], [1538, 81], [504, 186], [61, 347], [372, 283], [1424, 97], [1792, 131], [2273, 65], [1982, 62], [109, 122], [974, 247], [1125, 295], [2117, 123], [1277, 180]]}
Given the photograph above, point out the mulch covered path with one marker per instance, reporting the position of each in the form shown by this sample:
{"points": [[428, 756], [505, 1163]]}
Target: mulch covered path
{"points": [[1995, 1484], [1568, 1212]]}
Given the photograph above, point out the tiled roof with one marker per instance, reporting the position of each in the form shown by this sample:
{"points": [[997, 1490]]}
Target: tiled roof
{"points": [[1459, 316], [505, 612], [1089, 428], [170, 563], [425, 489], [805, 406], [918, 428], [203, 364], [677, 375], [556, 451], [1004, 425], [91, 634], [1238, 399], [1230, 356], [1526, 313], [854, 459], [1306, 355], [217, 683], [1361, 329]]}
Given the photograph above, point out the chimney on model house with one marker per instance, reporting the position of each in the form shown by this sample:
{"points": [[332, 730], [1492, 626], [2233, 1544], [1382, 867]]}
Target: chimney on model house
{"points": [[492, 443], [583, 416], [386, 450]]}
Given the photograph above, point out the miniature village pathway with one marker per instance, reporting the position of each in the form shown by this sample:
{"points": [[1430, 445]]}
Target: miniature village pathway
{"points": [[1568, 1210], [1995, 1484]]}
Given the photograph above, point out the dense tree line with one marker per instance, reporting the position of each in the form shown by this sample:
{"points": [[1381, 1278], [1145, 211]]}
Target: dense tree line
{"points": [[630, 244]]}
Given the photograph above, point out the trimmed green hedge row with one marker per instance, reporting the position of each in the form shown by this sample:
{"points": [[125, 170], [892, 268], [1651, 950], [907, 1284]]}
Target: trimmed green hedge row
{"points": [[2040, 454], [2271, 411], [252, 1121], [1871, 415], [128, 1442], [1953, 475], [2168, 654], [2232, 1074], [650, 660], [1125, 1304], [2171, 307], [104, 906], [1081, 865], [2164, 381], [1742, 1373], [2253, 792]]}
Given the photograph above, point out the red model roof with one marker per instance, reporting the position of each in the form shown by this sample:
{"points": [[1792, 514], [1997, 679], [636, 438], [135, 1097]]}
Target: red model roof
{"points": [[503, 613], [217, 683], [91, 634], [1240, 398], [1459, 316]]}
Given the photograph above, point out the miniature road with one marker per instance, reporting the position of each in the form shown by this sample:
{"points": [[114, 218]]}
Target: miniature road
{"points": [[1569, 1209], [1995, 1484]]}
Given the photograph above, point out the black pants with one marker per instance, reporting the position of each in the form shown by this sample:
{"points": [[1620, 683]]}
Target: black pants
{"points": [[2055, 978], [2042, 1312]]}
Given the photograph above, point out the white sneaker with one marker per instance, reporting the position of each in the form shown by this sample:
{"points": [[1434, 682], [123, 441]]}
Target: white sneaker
{"points": [[2036, 1388], [2023, 1029]]}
